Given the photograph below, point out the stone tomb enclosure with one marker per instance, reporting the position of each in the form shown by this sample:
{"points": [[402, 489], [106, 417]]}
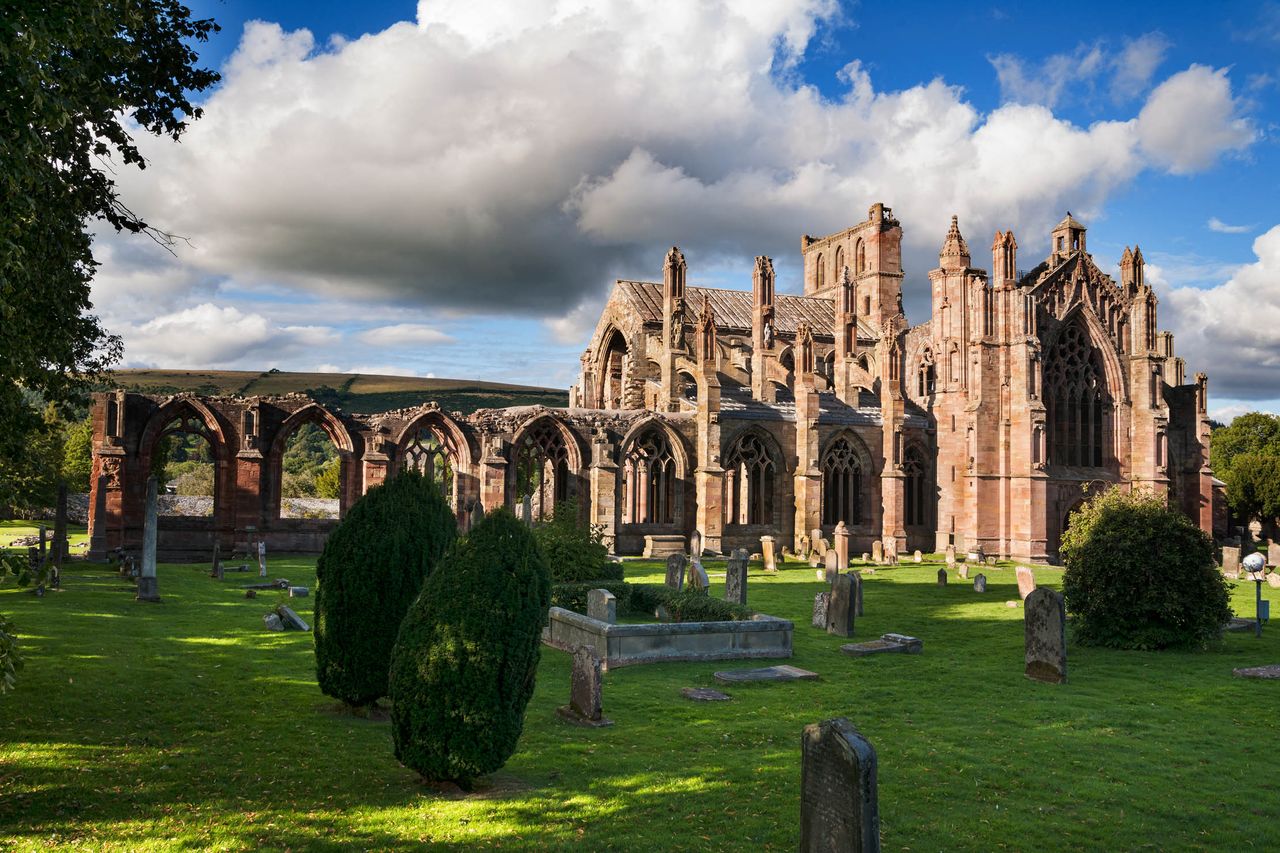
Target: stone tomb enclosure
{"points": [[839, 803]]}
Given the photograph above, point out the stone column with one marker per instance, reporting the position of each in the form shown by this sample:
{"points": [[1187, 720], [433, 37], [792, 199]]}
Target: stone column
{"points": [[604, 490], [148, 586]]}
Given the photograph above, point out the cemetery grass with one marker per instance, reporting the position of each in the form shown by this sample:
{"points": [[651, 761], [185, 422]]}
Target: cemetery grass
{"points": [[184, 724]]}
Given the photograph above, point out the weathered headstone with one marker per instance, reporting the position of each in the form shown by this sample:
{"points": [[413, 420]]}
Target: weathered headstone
{"points": [[273, 622], [991, 561], [1045, 621], [820, 544], [1273, 580], [262, 558], [148, 585], [803, 553], [832, 561], [877, 551], [292, 621], [477, 513], [891, 551], [298, 592], [839, 803], [963, 571], [675, 571], [857, 593], [866, 558], [980, 583], [695, 544], [1026, 582], [942, 577], [698, 579], [768, 554], [951, 555], [917, 556], [735, 578], [1231, 561], [704, 694], [782, 672], [821, 602], [841, 537], [843, 606], [976, 555], [215, 571], [887, 644], [585, 707], [602, 605], [526, 510]]}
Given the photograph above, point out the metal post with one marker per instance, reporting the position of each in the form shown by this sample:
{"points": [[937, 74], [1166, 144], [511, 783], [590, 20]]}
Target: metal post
{"points": [[1257, 582]]}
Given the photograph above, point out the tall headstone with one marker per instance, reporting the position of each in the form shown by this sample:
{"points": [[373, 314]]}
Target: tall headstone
{"points": [[891, 551], [832, 563], [1045, 621], [839, 803], [980, 583], [585, 706], [857, 593], [877, 551], [477, 513], [942, 577], [526, 509], [951, 555], [917, 557], [148, 585], [1026, 582], [216, 569], [768, 554], [695, 544], [819, 543], [735, 578], [843, 607], [841, 537], [803, 553], [963, 571], [602, 605], [1231, 561], [698, 579], [821, 602], [675, 571]]}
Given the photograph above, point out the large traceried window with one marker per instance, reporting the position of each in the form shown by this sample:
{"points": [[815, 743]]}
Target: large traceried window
{"points": [[427, 455], [649, 480], [542, 469], [841, 483], [750, 472], [917, 487], [1079, 408]]}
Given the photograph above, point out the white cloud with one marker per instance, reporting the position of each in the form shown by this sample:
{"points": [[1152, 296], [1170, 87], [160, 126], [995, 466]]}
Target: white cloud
{"points": [[1191, 119], [207, 335], [1216, 224], [473, 163], [1231, 330], [404, 334], [1076, 76]]}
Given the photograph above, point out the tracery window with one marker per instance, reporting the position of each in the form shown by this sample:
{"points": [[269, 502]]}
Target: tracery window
{"points": [[542, 469], [841, 483], [916, 471], [649, 480], [427, 455], [749, 481], [928, 375], [1079, 409], [820, 273]]}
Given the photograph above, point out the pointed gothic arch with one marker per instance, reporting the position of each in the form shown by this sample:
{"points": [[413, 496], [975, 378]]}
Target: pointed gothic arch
{"points": [[612, 370], [546, 460], [317, 415], [435, 445], [846, 467], [754, 474], [1079, 403], [655, 464]]}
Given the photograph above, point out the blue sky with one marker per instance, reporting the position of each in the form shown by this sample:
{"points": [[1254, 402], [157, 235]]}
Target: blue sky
{"points": [[450, 190]]}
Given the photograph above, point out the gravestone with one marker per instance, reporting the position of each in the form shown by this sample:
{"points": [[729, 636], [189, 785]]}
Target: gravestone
{"points": [[695, 544], [735, 578], [832, 561], [917, 556], [815, 561], [891, 551], [976, 555], [704, 694], [768, 554], [803, 553], [1231, 561], [866, 558], [298, 592], [942, 577], [1026, 582], [963, 571], [857, 593], [820, 544], [262, 558], [698, 580], [887, 644], [1273, 553], [821, 602], [216, 570], [273, 622], [217, 573], [951, 555], [148, 585], [991, 561], [877, 551], [783, 672], [291, 620], [675, 571], [980, 583], [1045, 621], [526, 510], [843, 606], [602, 605], [477, 513], [839, 808], [841, 537], [814, 535], [585, 707]]}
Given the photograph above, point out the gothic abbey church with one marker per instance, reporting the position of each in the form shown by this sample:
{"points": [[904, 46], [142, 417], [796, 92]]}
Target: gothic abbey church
{"points": [[742, 414]]}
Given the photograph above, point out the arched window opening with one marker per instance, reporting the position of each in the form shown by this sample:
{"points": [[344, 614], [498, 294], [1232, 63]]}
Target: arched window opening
{"points": [[841, 484], [429, 456], [749, 481], [542, 469], [649, 480], [787, 359], [611, 380], [861, 257], [688, 386], [310, 474], [839, 270], [820, 272], [183, 461], [1079, 410], [916, 471], [928, 376]]}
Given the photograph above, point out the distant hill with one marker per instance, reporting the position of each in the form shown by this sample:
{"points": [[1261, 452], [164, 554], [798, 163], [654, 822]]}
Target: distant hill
{"points": [[354, 392]]}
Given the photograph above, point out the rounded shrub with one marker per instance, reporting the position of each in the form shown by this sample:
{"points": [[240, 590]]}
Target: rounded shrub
{"points": [[1140, 575], [368, 576], [464, 667], [573, 549]]}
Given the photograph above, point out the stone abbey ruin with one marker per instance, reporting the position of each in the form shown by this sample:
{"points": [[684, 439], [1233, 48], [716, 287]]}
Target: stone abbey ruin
{"points": [[742, 414]]}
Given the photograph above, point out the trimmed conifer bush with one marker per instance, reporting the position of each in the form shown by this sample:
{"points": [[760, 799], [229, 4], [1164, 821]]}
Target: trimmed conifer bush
{"points": [[463, 669], [368, 576], [1140, 575]]}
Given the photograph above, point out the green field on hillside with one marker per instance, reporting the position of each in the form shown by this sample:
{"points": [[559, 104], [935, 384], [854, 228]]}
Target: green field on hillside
{"points": [[186, 725]]}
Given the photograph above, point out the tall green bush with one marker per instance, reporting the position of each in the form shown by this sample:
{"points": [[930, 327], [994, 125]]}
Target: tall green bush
{"points": [[464, 666], [1140, 575], [369, 574], [574, 549]]}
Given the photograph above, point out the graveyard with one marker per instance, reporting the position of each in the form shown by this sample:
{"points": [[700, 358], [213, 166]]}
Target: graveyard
{"points": [[186, 724]]}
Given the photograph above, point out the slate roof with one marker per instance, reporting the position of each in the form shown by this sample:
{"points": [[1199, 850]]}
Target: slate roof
{"points": [[732, 308]]}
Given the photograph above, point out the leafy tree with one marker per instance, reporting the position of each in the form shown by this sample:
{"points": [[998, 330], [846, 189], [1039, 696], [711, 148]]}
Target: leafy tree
{"points": [[369, 574], [10, 657], [574, 549], [77, 455], [329, 480], [1140, 575], [30, 481], [1244, 455], [80, 78], [465, 663]]}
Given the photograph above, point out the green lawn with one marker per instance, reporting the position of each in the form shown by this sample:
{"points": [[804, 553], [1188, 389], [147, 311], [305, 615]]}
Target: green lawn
{"points": [[186, 725]]}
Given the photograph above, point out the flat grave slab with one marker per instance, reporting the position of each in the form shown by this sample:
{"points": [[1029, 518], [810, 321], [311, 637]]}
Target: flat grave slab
{"points": [[704, 694], [887, 644], [1269, 671], [1237, 623], [784, 672]]}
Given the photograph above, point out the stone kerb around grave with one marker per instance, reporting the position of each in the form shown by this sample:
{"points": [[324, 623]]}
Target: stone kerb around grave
{"points": [[626, 645]]}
